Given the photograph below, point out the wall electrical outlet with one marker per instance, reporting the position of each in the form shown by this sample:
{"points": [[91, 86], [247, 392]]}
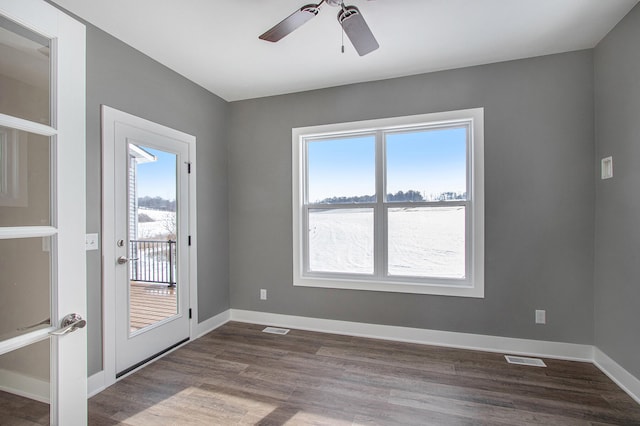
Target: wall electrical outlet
{"points": [[541, 316], [263, 294], [606, 168]]}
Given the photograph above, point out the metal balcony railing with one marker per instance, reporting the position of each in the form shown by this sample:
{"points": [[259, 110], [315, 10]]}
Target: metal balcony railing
{"points": [[153, 261]]}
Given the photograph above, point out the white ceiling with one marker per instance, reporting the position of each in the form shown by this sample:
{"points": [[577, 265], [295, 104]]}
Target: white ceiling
{"points": [[215, 42]]}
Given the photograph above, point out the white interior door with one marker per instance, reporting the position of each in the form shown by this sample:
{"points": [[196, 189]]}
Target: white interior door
{"points": [[150, 246], [42, 208]]}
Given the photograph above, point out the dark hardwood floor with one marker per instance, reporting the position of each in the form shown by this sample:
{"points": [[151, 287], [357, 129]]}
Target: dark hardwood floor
{"points": [[239, 375], [18, 411]]}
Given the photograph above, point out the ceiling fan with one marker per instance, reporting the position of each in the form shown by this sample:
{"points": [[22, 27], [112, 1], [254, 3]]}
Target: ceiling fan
{"points": [[349, 17]]}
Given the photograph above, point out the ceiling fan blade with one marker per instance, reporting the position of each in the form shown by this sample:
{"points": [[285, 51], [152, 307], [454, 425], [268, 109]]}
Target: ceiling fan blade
{"points": [[291, 23], [357, 30]]}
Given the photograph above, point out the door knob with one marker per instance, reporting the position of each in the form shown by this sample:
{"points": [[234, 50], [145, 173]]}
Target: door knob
{"points": [[69, 323]]}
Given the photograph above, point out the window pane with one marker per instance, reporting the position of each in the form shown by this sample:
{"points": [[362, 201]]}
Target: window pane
{"points": [[341, 240], [342, 170], [25, 178], [427, 242], [427, 165], [153, 249], [25, 281], [24, 73]]}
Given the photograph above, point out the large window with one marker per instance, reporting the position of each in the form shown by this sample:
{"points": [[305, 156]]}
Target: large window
{"points": [[391, 205]]}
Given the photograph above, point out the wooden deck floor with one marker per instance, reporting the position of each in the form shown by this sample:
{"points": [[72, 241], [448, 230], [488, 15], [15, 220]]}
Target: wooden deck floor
{"points": [[151, 303]]}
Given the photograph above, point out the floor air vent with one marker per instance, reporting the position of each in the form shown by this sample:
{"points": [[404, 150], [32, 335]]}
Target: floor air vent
{"points": [[275, 330], [533, 362]]}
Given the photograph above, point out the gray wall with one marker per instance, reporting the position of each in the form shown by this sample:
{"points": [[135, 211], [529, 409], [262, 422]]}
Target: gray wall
{"points": [[617, 103], [123, 78], [539, 150]]}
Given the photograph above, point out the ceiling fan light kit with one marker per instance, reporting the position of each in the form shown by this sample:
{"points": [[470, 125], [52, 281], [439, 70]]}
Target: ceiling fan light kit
{"points": [[349, 18]]}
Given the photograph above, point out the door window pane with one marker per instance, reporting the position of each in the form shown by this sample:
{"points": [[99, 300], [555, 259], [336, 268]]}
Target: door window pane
{"points": [[24, 73], [342, 170], [25, 178], [427, 165], [25, 281], [427, 242], [153, 247], [341, 240]]}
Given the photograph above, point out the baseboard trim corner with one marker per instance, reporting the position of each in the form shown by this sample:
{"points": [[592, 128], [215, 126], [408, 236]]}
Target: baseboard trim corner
{"points": [[627, 381], [212, 323], [96, 384]]}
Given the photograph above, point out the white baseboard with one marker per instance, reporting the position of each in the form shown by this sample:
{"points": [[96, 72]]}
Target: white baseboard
{"points": [[212, 323], [23, 385], [509, 345], [627, 381], [95, 384]]}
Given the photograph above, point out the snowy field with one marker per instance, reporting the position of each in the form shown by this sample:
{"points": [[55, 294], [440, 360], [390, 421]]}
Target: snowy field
{"points": [[163, 222], [424, 241], [152, 258]]}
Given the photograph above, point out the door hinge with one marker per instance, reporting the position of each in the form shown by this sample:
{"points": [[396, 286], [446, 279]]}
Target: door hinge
{"points": [[189, 240], [189, 313]]}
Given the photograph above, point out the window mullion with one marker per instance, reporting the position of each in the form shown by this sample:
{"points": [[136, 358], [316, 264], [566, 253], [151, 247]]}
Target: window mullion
{"points": [[380, 219]]}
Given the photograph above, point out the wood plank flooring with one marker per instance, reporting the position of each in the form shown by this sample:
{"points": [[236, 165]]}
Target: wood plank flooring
{"points": [[238, 375], [16, 410], [151, 303]]}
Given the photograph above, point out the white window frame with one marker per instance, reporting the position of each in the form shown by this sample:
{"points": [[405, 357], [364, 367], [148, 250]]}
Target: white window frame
{"points": [[473, 283]]}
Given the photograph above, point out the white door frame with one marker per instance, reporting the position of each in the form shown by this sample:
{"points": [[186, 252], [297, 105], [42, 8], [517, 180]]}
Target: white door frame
{"points": [[68, 359], [109, 118]]}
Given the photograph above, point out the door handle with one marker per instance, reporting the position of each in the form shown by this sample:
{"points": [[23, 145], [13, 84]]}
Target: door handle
{"points": [[69, 323], [123, 259]]}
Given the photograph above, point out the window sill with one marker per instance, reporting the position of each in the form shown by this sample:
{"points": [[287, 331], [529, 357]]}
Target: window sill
{"points": [[475, 291]]}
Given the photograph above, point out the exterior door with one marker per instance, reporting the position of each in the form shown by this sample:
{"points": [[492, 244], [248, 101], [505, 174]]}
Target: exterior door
{"points": [[42, 208], [150, 245]]}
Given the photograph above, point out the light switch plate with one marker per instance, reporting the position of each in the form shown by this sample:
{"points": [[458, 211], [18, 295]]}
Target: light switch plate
{"points": [[91, 242]]}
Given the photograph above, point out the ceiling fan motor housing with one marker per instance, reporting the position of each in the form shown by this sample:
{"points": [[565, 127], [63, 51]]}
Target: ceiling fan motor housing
{"points": [[347, 12]]}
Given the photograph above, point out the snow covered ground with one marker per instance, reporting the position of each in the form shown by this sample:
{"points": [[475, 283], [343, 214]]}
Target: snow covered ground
{"points": [[152, 257], [424, 241], [163, 222]]}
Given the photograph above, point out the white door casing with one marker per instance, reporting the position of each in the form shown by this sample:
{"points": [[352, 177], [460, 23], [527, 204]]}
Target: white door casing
{"points": [[123, 349], [68, 353]]}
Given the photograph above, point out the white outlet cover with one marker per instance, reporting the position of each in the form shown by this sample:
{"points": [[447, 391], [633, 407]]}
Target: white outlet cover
{"points": [[541, 316], [606, 168]]}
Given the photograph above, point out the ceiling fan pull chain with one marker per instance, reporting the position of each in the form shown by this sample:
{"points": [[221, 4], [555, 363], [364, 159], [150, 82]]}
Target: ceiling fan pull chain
{"points": [[342, 32]]}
